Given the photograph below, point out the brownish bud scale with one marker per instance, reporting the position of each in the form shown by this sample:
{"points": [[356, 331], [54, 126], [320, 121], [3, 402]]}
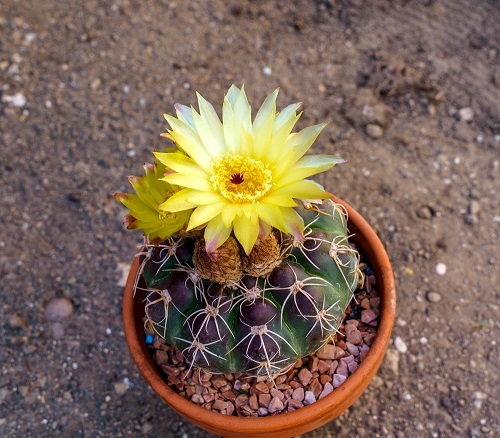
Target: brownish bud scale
{"points": [[263, 258], [221, 266]]}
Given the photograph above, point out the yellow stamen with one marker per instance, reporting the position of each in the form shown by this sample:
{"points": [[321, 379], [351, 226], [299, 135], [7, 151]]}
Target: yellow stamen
{"points": [[241, 179], [166, 215]]}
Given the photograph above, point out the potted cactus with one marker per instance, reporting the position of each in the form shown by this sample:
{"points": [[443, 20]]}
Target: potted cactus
{"points": [[247, 265]]}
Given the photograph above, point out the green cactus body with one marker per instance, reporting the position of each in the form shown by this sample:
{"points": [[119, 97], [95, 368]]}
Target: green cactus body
{"points": [[255, 325]]}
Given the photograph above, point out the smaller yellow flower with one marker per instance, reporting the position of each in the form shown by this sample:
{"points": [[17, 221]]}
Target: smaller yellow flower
{"points": [[240, 176], [144, 214]]}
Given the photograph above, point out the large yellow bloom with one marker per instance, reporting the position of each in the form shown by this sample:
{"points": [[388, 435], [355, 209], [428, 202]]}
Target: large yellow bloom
{"points": [[240, 176]]}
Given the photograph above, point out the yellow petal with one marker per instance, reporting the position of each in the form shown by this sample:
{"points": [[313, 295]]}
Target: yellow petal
{"points": [[229, 213], [250, 212], [280, 200], [189, 181], [184, 129], [246, 147], [242, 109], [180, 163], [211, 118], [198, 197], [264, 230], [203, 214], [308, 166], [231, 127], [276, 150], [232, 94], [304, 189], [285, 116], [216, 233], [246, 232], [296, 146], [294, 223], [271, 214], [236, 115], [209, 129], [263, 125], [178, 202], [196, 151], [184, 113]]}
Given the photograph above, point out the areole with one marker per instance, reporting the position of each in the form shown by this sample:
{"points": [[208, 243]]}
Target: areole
{"points": [[291, 423]]}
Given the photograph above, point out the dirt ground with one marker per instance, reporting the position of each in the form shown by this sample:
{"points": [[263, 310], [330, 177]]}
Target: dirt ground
{"points": [[411, 91]]}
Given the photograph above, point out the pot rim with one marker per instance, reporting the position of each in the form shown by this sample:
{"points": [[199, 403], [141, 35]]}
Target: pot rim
{"points": [[287, 421]]}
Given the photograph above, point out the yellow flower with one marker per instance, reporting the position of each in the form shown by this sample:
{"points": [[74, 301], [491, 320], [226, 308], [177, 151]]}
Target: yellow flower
{"points": [[239, 176], [144, 214]]}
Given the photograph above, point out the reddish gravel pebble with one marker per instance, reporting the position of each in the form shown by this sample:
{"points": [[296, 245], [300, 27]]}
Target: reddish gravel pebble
{"points": [[338, 380], [305, 376], [275, 405], [298, 394], [327, 390], [354, 337], [368, 316], [309, 398], [326, 352]]}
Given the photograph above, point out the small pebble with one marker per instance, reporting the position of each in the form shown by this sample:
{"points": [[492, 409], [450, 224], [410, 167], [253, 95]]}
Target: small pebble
{"points": [[441, 269], [338, 379], [316, 388], [296, 404], [471, 219], [353, 337], [323, 367], [120, 388], [15, 321], [339, 352], [264, 400], [474, 207], [18, 100], [466, 114], [305, 376], [309, 398], [58, 309], [400, 345], [326, 390], [253, 402], [424, 212], [146, 428], [433, 297], [275, 405], [368, 316], [376, 382], [342, 370], [353, 349], [326, 352], [262, 411], [392, 360], [374, 131], [268, 71], [298, 394]]}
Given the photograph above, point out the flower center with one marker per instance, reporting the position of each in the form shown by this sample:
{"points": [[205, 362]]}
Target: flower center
{"points": [[241, 179]]}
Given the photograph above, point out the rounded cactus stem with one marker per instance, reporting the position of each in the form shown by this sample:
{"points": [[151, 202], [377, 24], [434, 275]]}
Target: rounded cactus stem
{"points": [[281, 302]]}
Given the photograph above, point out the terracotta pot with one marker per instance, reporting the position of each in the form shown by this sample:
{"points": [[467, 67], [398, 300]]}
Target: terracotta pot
{"points": [[291, 423]]}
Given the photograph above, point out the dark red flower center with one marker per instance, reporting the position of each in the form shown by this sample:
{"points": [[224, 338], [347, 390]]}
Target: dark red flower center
{"points": [[236, 178]]}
